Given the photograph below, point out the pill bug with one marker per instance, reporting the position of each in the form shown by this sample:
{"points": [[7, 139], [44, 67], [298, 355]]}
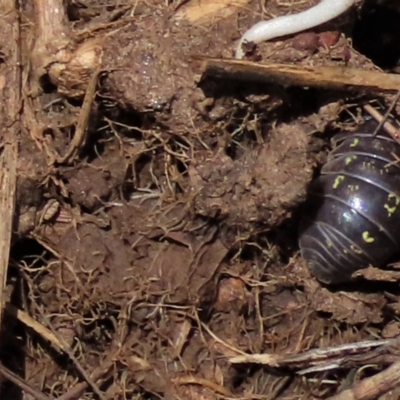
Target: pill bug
{"points": [[352, 215]]}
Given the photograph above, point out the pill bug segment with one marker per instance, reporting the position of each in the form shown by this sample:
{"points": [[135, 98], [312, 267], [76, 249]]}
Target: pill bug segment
{"points": [[351, 218]]}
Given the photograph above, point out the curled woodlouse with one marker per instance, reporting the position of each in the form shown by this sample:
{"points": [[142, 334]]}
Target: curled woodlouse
{"points": [[352, 217]]}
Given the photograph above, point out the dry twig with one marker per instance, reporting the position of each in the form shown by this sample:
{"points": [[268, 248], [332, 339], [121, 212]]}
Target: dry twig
{"points": [[382, 119], [83, 120], [22, 384], [319, 359]]}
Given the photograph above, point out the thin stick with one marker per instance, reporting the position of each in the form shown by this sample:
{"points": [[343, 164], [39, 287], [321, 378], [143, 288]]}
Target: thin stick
{"points": [[83, 120], [387, 113], [314, 356], [389, 128], [72, 357]]}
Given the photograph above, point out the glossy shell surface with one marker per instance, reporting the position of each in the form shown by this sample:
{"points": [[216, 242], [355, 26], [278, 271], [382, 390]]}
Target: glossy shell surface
{"points": [[352, 217]]}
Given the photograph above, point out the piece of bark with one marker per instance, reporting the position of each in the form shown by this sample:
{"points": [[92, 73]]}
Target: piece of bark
{"points": [[9, 132]]}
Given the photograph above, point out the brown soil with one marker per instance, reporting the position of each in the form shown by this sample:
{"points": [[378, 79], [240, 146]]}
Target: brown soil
{"points": [[155, 232]]}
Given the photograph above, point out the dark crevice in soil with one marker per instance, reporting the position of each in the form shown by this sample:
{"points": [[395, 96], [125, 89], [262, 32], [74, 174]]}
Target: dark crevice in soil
{"points": [[376, 34]]}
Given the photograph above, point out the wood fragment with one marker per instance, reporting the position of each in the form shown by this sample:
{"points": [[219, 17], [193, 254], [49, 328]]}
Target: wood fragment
{"points": [[9, 133], [323, 359], [53, 43], [36, 326], [203, 11], [57, 54], [326, 77]]}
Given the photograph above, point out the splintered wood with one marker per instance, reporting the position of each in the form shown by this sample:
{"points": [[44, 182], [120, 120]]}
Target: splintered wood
{"points": [[339, 78], [56, 52], [203, 11], [9, 134]]}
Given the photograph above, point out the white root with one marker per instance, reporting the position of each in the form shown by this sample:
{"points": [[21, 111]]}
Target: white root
{"points": [[324, 11]]}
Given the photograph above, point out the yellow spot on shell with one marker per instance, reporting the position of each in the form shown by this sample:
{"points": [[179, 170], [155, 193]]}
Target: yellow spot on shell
{"points": [[355, 249], [339, 179], [390, 210], [355, 142], [367, 237], [393, 196], [350, 159], [389, 206], [353, 188]]}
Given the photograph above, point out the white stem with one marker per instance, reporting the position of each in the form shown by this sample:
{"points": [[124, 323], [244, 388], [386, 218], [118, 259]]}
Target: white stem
{"points": [[324, 11]]}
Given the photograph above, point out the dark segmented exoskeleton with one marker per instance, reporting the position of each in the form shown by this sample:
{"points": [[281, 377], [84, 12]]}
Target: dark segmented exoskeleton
{"points": [[352, 216]]}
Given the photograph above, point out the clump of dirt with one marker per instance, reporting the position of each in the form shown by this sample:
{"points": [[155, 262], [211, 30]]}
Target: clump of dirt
{"points": [[154, 245], [154, 74], [241, 193]]}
